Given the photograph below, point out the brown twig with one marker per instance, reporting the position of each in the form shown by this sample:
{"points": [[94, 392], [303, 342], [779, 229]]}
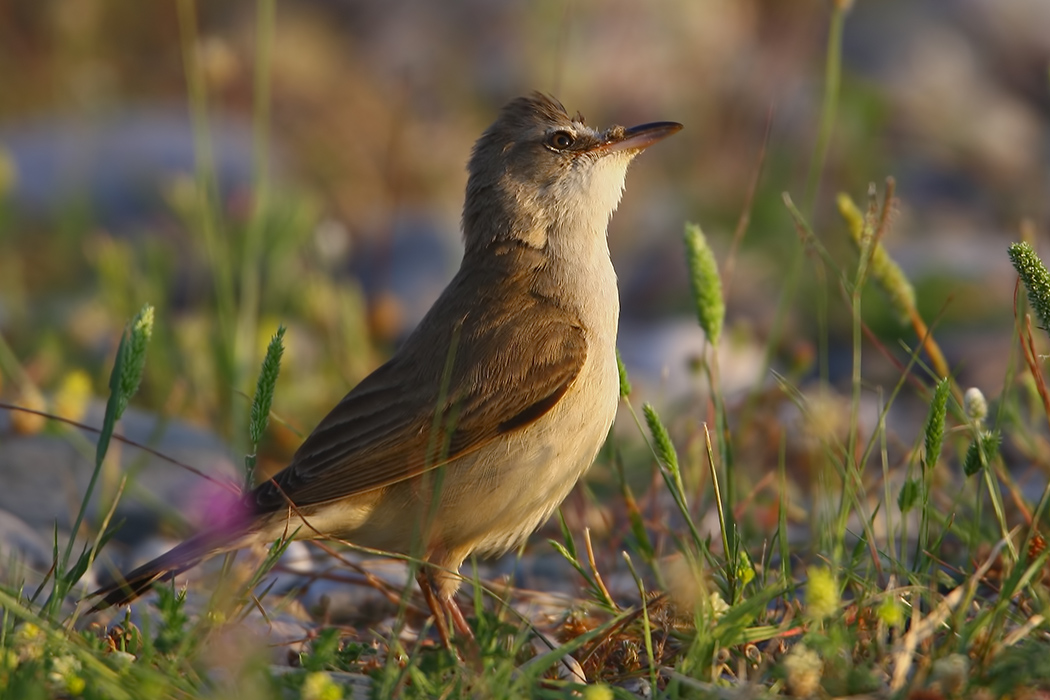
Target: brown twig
{"points": [[594, 568]]}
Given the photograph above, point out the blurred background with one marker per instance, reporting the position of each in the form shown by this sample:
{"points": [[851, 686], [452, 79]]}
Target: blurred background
{"points": [[239, 174]]}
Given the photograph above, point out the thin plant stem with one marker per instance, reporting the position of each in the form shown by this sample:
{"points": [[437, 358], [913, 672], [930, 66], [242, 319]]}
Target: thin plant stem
{"points": [[829, 106], [207, 209], [248, 304], [731, 568]]}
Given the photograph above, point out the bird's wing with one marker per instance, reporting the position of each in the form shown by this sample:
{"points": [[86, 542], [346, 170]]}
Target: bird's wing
{"points": [[430, 405]]}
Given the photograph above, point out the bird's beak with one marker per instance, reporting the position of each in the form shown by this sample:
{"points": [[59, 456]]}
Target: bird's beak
{"points": [[637, 138]]}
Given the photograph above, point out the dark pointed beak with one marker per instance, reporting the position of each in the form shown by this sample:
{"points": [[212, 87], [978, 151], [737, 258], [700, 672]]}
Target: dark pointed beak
{"points": [[639, 137]]}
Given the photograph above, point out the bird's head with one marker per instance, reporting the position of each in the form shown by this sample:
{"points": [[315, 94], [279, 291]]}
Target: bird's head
{"points": [[537, 171]]}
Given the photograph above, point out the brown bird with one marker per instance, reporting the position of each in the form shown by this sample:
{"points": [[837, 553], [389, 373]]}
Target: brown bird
{"points": [[478, 427]]}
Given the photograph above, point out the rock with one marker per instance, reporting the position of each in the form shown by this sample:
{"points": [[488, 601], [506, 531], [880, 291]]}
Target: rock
{"points": [[20, 544]]}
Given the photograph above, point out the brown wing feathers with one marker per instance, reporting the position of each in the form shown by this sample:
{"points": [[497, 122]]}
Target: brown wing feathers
{"points": [[387, 430]]}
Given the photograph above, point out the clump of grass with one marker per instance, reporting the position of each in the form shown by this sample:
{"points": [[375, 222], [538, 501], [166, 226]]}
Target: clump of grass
{"points": [[123, 383]]}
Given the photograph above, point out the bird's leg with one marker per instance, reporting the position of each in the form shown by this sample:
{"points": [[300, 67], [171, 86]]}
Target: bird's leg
{"points": [[458, 620], [443, 607], [436, 608]]}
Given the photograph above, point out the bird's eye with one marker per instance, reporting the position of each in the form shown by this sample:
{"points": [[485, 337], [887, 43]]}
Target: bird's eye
{"points": [[560, 140]]}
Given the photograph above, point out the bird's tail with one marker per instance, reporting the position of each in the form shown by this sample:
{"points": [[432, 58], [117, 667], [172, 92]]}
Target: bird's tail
{"points": [[127, 587]]}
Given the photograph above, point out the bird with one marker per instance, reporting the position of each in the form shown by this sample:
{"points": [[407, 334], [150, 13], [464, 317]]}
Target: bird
{"points": [[476, 429]]}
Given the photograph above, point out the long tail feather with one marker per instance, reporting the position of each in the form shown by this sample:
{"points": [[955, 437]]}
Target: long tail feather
{"points": [[185, 556]]}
